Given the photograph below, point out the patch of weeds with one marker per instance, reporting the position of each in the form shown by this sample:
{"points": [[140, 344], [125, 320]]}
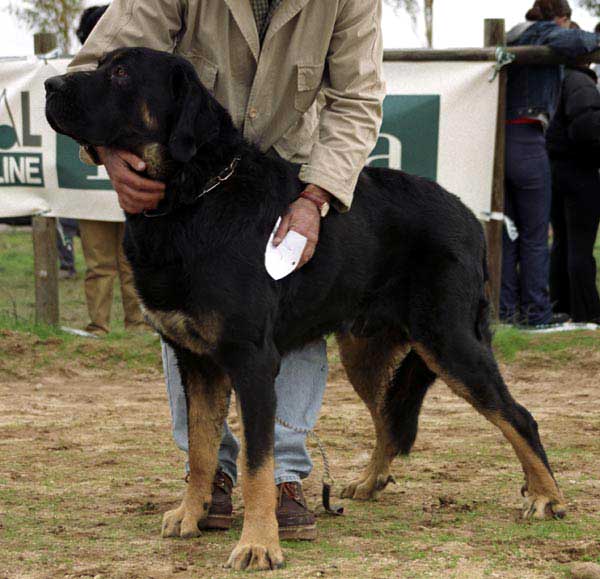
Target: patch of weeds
{"points": [[508, 342]]}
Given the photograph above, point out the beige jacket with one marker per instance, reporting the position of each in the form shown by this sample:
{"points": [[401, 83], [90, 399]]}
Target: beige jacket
{"points": [[333, 46]]}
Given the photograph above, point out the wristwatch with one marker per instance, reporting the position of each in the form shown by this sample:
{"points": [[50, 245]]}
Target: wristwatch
{"points": [[322, 205]]}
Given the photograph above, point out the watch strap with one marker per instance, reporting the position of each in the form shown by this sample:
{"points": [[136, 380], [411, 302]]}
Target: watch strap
{"points": [[322, 205]]}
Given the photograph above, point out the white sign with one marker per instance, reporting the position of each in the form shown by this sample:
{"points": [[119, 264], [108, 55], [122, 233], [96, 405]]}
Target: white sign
{"points": [[439, 122]]}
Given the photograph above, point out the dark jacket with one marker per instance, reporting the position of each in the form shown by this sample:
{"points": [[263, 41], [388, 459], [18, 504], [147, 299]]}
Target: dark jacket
{"points": [[575, 130], [534, 90]]}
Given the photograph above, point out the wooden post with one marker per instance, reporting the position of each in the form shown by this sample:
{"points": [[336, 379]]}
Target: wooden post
{"points": [[45, 257], [44, 42], [45, 253], [495, 35]]}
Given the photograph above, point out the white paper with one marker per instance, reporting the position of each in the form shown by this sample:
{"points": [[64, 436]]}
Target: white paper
{"points": [[283, 259]]}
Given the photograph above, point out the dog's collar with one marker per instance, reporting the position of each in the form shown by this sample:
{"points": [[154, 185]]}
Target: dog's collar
{"points": [[210, 185]]}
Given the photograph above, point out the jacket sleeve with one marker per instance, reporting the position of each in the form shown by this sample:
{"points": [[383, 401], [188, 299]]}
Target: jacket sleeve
{"points": [[571, 43], [149, 23], [582, 109], [350, 120]]}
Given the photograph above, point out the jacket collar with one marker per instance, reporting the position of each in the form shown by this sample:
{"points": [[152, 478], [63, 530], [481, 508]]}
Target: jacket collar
{"points": [[517, 31], [284, 13], [241, 11]]}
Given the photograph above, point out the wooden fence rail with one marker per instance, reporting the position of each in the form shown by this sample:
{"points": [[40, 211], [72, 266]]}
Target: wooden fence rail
{"points": [[530, 55]]}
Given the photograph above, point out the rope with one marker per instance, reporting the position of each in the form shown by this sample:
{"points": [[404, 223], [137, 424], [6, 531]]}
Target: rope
{"points": [[503, 58], [327, 480]]}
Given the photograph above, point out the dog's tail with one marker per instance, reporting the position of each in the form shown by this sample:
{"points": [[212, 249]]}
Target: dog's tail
{"points": [[404, 399]]}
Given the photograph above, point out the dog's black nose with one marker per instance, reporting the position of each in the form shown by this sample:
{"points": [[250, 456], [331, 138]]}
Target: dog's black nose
{"points": [[54, 84]]}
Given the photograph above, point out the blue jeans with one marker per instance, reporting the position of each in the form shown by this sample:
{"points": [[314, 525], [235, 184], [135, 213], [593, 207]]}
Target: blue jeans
{"points": [[299, 387], [526, 261]]}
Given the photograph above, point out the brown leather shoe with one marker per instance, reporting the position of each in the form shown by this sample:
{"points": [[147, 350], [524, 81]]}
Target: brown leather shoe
{"points": [[220, 512], [296, 522]]}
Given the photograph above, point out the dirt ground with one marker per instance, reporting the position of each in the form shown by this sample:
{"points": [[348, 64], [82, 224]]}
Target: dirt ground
{"points": [[87, 467]]}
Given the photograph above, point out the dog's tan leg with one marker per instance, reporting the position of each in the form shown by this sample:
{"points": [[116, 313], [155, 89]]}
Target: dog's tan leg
{"points": [[370, 364], [207, 397], [488, 394], [542, 496], [258, 547]]}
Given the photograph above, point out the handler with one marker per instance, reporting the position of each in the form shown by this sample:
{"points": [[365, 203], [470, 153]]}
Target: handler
{"points": [[266, 61]]}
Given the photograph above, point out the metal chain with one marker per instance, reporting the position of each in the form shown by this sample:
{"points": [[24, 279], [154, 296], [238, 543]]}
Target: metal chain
{"points": [[327, 480]]}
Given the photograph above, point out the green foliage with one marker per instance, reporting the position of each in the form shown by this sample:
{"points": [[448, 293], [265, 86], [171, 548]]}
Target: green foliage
{"points": [[55, 16], [592, 6], [413, 8], [410, 6]]}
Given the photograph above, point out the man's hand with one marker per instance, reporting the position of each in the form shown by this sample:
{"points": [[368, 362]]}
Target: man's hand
{"points": [[136, 193], [304, 218]]}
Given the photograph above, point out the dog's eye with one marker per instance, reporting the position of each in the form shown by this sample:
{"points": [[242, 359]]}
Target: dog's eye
{"points": [[119, 71]]}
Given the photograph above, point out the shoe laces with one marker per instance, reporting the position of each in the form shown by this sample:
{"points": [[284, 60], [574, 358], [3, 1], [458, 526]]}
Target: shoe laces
{"points": [[290, 489]]}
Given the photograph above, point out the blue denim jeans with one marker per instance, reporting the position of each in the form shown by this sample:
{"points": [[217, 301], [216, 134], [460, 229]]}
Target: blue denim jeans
{"points": [[526, 261], [299, 387]]}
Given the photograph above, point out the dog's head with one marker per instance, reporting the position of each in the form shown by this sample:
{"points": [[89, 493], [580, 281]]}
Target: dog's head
{"points": [[138, 99]]}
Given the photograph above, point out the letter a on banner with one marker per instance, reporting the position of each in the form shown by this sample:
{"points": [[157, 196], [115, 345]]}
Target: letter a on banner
{"points": [[9, 136]]}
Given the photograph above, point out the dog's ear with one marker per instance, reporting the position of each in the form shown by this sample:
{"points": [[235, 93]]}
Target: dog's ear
{"points": [[196, 122]]}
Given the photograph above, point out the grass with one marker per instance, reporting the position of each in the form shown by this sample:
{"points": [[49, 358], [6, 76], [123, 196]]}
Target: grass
{"points": [[121, 349], [87, 464]]}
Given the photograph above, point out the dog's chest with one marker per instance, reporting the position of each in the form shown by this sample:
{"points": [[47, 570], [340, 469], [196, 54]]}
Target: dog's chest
{"points": [[199, 334]]}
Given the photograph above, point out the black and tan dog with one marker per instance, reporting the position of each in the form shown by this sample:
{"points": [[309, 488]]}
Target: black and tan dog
{"points": [[400, 279]]}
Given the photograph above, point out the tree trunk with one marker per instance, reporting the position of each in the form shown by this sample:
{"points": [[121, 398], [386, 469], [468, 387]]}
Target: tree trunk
{"points": [[429, 22]]}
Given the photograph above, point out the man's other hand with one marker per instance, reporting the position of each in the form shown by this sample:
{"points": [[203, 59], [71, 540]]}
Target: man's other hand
{"points": [[304, 218], [136, 193]]}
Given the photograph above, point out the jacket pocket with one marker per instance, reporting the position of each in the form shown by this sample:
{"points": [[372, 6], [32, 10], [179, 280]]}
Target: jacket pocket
{"points": [[207, 70], [310, 78]]}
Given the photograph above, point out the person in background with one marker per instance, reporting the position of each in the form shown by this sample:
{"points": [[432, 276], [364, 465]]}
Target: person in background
{"points": [[102, 244], [573, 142], [66, 231], [531, 102], [597, 67]]}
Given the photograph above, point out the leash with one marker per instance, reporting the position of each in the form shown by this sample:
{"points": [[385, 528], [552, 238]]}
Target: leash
{"points": [[210, 185], [327, 480]]}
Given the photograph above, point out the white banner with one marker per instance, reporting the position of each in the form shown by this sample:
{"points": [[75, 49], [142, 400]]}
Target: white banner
{"points": [[40, 171], [439, 122]]}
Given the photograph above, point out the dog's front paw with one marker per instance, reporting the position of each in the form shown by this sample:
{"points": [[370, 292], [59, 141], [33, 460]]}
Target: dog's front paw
{"points": [[368, 488], [246, 557], [182, 522]]}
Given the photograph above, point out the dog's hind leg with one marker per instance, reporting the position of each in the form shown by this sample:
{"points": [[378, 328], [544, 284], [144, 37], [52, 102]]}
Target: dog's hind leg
{"points": [[404, 399], [458, 353], [393, 397], [207, 390], [253, 375]]}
